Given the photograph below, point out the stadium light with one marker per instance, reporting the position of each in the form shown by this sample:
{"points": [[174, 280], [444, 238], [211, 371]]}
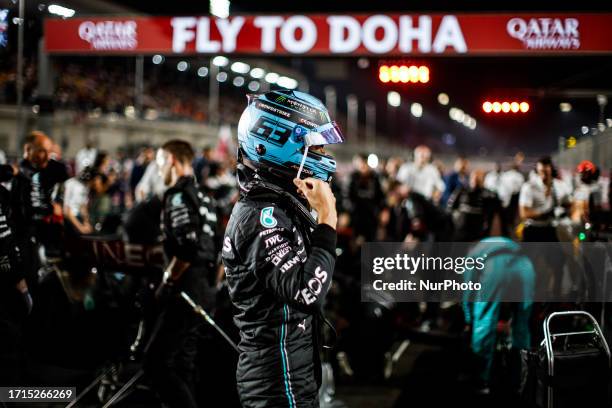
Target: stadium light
{"points": [[219, 8], [240, 67], [202, 72], [363, 63], [257, 73], [505, 107], [220, 61], [565, 107], [443, 99], [585, 130], [394, 99], [182, 66], [222, 76], [271, 77], [287, 82], [238, 81], [157, 59], [61, 11], [383, 74], [413, 74], [466, 120], [403, 74], [254, 86], [416, 109]]}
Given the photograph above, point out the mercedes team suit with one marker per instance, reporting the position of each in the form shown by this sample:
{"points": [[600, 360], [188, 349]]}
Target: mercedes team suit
{"points": [[33, 193], [189, 225], [279, 265], [14, 305]]}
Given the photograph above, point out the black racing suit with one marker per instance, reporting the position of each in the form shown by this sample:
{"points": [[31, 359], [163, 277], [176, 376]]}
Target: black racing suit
{"points": [[12, 301], [33, 193], [279, 267], [189, 225]]}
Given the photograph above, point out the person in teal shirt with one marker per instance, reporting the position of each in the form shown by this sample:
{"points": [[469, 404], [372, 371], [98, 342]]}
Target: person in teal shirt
{"points": [[507, 274]]}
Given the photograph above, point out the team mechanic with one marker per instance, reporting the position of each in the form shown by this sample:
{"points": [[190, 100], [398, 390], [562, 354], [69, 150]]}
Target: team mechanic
{"points": [[278, 260], [189, 225]]}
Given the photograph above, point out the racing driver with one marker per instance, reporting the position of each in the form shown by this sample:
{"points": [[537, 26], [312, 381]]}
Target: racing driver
{"points": [[278, 257]]}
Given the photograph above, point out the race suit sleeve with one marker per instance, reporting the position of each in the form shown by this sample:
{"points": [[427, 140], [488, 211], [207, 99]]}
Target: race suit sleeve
{"points": [[181, 219], [6, 172], [10, 271], [276, 252]]}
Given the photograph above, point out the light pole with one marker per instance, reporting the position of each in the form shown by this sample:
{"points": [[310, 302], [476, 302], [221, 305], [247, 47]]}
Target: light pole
{"points": [[330, 100], [139, 85], [352, 113], [19, 79], [213, 94], [370, 112]]}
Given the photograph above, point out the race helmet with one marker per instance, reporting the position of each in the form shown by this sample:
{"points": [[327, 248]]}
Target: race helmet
{"points": [[588, 171], [277, 129]]}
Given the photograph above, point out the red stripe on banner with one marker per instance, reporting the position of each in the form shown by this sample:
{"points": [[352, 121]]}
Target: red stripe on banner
{"points": [[335, 34]]}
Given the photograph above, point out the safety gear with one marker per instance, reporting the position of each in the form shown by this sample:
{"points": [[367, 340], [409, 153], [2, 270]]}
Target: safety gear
{"points": [[586, 166], [278, 265], [588, 171], [277, 129], [10, 259], [35, 194], [189, 224]]}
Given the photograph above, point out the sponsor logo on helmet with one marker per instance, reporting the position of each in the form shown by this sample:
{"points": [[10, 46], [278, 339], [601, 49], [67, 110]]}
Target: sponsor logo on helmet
{"points": [[308, 123], [305, 170], [299, 106], [271, 132], [272, 109]]}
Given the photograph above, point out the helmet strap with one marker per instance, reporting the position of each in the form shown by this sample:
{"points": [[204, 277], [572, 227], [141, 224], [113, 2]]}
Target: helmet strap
{"points": [[303, 161]]}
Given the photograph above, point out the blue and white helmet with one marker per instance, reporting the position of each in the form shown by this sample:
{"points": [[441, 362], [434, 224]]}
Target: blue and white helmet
{"points": [[278, 127]]}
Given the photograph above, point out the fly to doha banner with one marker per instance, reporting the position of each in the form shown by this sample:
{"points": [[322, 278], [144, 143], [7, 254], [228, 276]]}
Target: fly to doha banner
{"points": [[331, 34], [493, 270]]}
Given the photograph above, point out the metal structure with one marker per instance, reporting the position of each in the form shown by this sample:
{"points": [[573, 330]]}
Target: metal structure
{"points": [[549, 336]]}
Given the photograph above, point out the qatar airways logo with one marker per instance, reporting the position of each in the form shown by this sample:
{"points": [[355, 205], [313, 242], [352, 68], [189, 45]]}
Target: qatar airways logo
{"points": [[110, 35], [546, 33]]}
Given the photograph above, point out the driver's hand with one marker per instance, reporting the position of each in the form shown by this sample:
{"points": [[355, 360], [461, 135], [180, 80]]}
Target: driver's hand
{"points": [[321, 199]]}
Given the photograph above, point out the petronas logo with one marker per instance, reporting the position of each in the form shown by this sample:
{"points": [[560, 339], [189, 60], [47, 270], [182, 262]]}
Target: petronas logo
{"points": [[281, 98]]}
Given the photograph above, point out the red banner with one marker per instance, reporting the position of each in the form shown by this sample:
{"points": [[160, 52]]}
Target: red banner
{"points": [[335, 34]]}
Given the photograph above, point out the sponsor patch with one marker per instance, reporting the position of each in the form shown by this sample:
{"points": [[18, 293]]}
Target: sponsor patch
{"points": [[177, 199], [266, 217]]}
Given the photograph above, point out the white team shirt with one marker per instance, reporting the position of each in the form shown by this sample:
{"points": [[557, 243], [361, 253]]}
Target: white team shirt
{"points": [[76, 195], [424, 180]]}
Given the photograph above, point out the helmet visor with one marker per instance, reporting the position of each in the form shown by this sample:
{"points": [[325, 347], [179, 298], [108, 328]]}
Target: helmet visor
{"points": [[329, 133]]}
